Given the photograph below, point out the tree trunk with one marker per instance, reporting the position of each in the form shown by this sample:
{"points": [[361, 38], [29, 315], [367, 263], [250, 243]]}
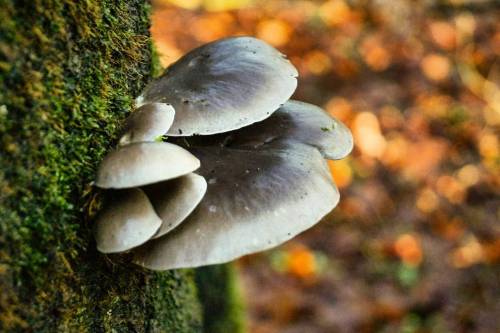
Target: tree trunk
{"points": [[221, 297], [69, 71]]}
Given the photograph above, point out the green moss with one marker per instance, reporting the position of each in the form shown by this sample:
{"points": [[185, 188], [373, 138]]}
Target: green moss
{"points": [[68, 73], [156, 68], [221, 297]]}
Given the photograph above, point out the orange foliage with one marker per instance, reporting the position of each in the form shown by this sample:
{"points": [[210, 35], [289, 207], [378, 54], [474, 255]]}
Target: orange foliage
{"points": [[335, 12], [420, 91], [340, 108], [301, 262], [443, 34], [275, 32], [317, 62], [435, 67], [367, 134], [375, 54], [408, 249], [341, 172]]}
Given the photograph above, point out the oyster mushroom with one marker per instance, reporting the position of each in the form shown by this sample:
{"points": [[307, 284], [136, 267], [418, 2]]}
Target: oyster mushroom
{"points": [[256, 199], [175, 199], [262, 157], [147, 123], [144, 163], [299, 122], [223, 86], [128, 221], [294, 121]]}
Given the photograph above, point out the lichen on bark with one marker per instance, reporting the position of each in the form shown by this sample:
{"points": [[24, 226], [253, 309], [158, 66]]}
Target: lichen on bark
{"points": [[69, 71]]}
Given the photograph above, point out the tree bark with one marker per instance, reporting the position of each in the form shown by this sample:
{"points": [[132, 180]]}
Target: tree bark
{"points": [[69, 71]]}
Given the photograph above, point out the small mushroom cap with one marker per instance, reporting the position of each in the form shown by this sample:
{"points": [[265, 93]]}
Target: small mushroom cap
{"points": [[255, 200], [144, 163], [300, 122], [175, 199], [128, 221], [147, 123], [223, 85]]}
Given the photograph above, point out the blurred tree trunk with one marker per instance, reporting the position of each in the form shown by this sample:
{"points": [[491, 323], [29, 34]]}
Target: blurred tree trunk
{"points": [[220, 293], [69, 71]]}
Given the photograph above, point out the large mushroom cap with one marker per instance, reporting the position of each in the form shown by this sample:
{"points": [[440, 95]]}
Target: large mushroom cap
{"points": [[300, 122], [128, 221], [175, 199], [294, 121], [223, 85], [147, 123], [144, 163], [255, 200]]}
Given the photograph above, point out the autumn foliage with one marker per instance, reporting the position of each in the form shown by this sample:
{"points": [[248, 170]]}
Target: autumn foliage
{"points": [[414, 245]]}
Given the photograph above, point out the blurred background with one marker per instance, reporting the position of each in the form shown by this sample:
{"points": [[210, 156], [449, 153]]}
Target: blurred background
{"points": [[414, 245]]}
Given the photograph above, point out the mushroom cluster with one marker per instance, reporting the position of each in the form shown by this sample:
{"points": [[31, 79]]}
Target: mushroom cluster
{"points": [[216, 162]]}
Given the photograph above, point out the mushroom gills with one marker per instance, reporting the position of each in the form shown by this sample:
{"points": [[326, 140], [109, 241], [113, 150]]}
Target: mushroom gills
{"points": [[128, 221], [175, 199], [255, 200], [224, 85]]}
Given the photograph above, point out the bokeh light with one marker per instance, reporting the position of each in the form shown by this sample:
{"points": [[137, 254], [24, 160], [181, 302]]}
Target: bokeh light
{"points": [[414, 245]]}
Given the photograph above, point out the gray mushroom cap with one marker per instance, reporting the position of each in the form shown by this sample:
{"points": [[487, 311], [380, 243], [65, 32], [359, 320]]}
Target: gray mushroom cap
{"points": [[128, 221], [294, 121], [300, 122], [256, 199], [147, 123], [144, 163], [223, 86], [175, 199]]}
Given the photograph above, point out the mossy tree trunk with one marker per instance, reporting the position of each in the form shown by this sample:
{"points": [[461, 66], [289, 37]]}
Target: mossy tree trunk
{"points": [[69, 71]]}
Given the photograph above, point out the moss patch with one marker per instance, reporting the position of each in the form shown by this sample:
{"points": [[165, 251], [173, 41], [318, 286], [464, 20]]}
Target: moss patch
{"points": [[68, 73]]}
